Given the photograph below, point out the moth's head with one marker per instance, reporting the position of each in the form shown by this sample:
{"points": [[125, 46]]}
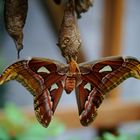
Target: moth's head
{"points": [[69, 58]]}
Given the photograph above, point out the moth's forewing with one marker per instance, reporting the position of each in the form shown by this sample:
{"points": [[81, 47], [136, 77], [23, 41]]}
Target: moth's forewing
{"points": [[46, 102], [43, 78], [100, 77]]}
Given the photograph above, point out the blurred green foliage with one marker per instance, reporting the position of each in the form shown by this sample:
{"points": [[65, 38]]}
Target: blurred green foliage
{"points": [[15, 125], [109, 136]]}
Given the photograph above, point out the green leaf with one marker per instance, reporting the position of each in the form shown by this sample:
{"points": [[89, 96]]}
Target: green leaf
{"points": [[137, 137], [55, 128], [27, 137], [123, 137], [14, 115], [3, 134], [108, 136], [36, 130], [25, 129], [98, 138]]}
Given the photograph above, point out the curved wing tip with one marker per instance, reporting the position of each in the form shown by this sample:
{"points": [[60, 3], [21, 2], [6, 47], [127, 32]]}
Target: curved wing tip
{"points": [[45, 124], [85, 123], [87, 120]]}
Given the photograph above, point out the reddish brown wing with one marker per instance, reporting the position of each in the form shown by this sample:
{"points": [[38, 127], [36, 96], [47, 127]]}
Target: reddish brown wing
{"points": [[98, 78], [41, 78]]}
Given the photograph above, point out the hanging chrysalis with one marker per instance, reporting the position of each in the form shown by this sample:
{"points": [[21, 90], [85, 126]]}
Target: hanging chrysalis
{"points": [[15, 17], [82, 6], [69, 36]]}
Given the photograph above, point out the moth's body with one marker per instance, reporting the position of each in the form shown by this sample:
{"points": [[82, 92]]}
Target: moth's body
{"points": [[72, 76], [69, 42]]}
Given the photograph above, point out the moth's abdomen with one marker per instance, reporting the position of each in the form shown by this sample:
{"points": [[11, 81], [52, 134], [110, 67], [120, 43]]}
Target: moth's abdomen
{"points": [[70, 84]]}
